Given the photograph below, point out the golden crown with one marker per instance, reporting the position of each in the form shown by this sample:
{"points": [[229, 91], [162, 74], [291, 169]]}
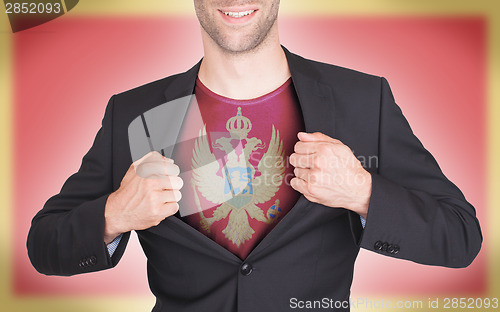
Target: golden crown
{"points": [[239, 125]]}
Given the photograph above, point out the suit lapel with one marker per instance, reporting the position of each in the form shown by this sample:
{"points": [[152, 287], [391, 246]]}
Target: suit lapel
{"points": [[315, 98], [183, 84], [180, 94], [318, 109], [317, 105], [159, 127]]}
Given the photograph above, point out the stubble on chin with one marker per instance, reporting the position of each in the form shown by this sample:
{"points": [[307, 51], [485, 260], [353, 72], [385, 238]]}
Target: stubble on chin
{"points": [[246, 44]]}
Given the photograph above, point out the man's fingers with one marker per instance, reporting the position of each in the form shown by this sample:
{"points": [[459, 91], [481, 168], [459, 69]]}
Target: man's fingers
{"points": [[173, 183], [172, 169], [310, 176], [157, 169], [167, 183], [316, 137], [303, 147], [301, 186], [143, 158], [302, 161], [301, 173], [298, 184], [171, 196], [152, 156], [156, 157], [171, 208], [311, 147]]}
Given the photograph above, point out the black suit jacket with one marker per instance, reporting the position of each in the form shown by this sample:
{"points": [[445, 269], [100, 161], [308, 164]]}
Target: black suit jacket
{"points": [[415, 212]]}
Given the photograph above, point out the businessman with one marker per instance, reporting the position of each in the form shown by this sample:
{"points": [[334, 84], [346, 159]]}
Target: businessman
{"points": [[265, 199]]}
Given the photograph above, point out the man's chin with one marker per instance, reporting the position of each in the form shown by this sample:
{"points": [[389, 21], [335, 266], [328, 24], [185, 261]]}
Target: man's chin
{"points": [[239, 46]]}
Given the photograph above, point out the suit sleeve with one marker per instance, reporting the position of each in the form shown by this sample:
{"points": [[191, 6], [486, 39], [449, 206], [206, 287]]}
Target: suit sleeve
{"points": [[67, 236], [415, 212]]}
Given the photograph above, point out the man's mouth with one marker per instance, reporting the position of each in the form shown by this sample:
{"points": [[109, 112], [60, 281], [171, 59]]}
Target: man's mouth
{"points": [[239, 14]]}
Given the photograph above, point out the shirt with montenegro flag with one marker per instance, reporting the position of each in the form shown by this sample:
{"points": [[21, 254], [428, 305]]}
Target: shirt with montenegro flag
{"points": [[234, 163]]}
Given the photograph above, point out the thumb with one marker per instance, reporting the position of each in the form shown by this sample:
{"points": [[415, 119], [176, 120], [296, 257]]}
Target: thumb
{"points": [[316, 137], [152, 156], [132, 169], [143, 158], [128, 175]]}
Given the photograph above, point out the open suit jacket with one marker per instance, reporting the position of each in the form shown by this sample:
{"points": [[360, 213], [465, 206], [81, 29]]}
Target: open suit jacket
{"points": [[415, 212]]}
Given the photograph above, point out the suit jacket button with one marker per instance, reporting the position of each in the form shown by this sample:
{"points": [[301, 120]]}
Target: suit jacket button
{"points": [[384, 246], [390, 249], [378, 245], [246, 269], [93, 260], [396, 249]]}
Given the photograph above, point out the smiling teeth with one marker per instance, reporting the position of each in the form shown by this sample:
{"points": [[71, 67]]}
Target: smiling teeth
{"points": [[239, 14]]}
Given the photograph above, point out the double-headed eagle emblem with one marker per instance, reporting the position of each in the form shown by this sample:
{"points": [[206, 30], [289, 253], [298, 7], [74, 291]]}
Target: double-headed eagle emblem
{"points": [[233, 183]]}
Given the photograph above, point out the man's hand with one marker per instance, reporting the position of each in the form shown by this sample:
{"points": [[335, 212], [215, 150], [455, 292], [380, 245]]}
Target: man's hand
{"points": [[327, 172], [148, 193]]}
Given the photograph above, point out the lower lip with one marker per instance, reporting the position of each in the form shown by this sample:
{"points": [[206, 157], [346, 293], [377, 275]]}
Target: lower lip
{"points": [[237, 20]]}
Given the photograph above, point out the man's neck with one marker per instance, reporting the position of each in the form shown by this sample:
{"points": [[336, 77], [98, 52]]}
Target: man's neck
{"points": [[244, 75]]}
